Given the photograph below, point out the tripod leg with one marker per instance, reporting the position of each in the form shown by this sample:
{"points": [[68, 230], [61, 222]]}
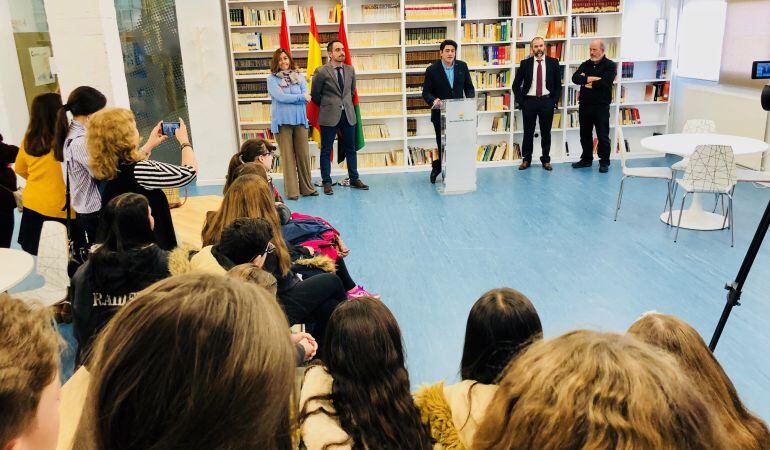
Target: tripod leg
{"points": [[679, 222]]}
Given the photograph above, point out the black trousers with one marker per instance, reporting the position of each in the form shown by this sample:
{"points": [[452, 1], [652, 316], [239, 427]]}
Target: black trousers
{"points": [[312, 301], [6, 227], [540, 109], [437, 162], [595, 116]]}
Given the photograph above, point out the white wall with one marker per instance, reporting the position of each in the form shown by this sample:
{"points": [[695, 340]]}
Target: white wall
{"points": [[85, 40], [13, 104], [209, 89]]}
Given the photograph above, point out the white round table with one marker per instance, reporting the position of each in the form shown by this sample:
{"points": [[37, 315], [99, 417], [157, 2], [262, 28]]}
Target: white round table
{"points": [[15, 265], [683, 144]]}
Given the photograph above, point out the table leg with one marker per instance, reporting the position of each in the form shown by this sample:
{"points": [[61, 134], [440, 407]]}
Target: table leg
{"points": [[695, 217]]}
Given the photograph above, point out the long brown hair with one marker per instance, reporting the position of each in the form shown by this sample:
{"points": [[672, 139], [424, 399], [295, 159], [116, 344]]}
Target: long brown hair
{"points": [[250, 150], [248, 196], [675, 336], [41, 131], [277, 59], [591, 390], [194, 361], [364, 354]]}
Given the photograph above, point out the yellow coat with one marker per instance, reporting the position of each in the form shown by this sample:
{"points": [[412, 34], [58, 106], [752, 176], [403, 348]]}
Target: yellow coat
{"points": [[45, 189]]}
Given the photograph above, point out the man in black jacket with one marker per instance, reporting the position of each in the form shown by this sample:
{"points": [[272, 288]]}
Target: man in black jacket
{"points": [[445, 79], [595, 77], [537, 89]]}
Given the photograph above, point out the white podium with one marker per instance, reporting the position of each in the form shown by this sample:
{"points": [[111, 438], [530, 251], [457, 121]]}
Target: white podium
{"points": [[458, 130]]}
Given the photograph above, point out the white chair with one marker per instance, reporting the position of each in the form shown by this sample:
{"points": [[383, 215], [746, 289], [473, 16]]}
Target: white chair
{"points": [[694, 126], [745, 176], [711, 171], [659, 173], [52, 259]]}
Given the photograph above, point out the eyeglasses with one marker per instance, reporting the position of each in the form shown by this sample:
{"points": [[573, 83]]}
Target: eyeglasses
{"points": [[269, 249]]}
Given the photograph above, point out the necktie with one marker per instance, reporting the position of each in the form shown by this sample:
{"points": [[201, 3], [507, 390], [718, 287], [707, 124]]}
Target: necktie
{"points": [[340, 80], [539, 85]]}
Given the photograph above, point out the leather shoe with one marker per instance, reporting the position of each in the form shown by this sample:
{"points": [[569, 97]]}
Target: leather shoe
{"points": [[547, 166], [580, 164], [604, 168], [312, 194], [293, 198], [433, 175], [358, 184], [524, 165], [328, 189]]}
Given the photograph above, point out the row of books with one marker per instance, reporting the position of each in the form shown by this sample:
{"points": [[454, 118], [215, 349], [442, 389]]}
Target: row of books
{"points": [[485, 55], [573, 95], [378, 159], [300, 40], [492, 152], [580, 52], [656, 92], [591, 6], [247, 42], [501, 123], [553, 29], [299, 14], [380, 12], [247, 134], [661, 69], [488, 102], [585, 26], [485, 32], [416, 105], [252, 89], [421, 58], [254, 112], [373, 38], [626, 70], [378, 85], [376, 131], [388, 108], [552, 49], [252, 17], [488, 80], [629, 116], [541, 7], [376, 61], [429, 35], [420, 156], [414, 82], [252, 66], [573, 119], [429, 11]]}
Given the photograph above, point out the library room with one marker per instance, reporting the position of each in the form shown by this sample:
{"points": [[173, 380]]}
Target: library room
{"points": [[385, 224]]}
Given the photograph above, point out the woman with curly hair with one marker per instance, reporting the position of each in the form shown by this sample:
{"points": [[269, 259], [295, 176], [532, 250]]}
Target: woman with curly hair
{"points": [[359, 398], [746, 431], [591, 390], [113, 146]]}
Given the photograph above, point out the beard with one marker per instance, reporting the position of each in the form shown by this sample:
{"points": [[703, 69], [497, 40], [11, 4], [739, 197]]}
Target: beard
{"points": [[539, 53]]}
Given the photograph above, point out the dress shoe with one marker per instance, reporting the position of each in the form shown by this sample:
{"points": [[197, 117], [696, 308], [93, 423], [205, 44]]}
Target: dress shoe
{"points": [[524, 165], [358, 184], [328, 189], [581, 164], [293, 198], [312, 194], [433, 175], [547, 166], [604, 168]]}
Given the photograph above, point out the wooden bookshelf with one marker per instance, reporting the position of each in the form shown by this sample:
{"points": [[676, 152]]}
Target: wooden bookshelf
{"points": [[521, 29]]}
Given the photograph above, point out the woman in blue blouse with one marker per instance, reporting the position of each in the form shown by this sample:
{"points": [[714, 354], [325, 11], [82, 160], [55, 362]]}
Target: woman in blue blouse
{"points": [[288, 119]]}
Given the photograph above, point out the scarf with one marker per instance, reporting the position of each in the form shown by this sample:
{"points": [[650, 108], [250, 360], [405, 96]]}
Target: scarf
{"points": [[288, 77]]}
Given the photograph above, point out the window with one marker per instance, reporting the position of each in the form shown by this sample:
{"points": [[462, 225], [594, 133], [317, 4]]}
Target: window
{"points": [[701, 31]]}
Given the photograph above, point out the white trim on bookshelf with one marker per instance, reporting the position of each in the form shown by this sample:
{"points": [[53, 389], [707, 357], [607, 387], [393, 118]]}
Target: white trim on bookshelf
{"points": [[585, 38], [642, 103], [649, 80]]}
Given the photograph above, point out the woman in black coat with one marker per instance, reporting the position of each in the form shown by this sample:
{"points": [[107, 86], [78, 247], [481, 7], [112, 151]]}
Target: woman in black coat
{"points": [[7, 187]]}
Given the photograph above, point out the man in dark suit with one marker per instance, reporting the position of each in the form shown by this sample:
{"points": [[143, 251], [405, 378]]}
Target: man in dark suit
{"points": [[537, 90], [332, 91], [446, 78]]}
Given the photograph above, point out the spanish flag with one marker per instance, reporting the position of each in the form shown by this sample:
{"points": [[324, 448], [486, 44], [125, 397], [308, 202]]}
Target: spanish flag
{"points": [[314, 61], [359, 124]]}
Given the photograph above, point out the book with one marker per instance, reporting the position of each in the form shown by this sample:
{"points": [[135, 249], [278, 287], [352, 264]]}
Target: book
{"points": [[592, 6], [429, 11]]}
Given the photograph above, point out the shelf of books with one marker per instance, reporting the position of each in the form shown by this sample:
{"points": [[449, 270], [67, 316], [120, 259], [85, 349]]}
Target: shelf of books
{"points": [[393, 42]]}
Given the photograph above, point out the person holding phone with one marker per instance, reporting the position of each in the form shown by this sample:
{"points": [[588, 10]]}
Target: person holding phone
{"points": [[288, 120], [113, 144]]}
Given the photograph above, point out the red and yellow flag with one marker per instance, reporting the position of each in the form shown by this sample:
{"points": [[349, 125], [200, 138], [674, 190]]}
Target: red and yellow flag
{"points": [[359, 124], [314, 61]]}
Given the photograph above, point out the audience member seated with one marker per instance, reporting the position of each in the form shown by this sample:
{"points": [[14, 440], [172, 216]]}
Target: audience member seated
{"points": [[590, 390], [250, 240], [113, 146], [29, 377], [126, 260], [194, 362], [359, 397], [257, 151], [673, 335], [501, 325]]}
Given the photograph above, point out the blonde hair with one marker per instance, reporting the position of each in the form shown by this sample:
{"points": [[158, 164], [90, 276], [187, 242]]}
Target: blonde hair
{"points": [[590, 390], [29, 361], [682, 341], [253, 274], [112, 139], [194, 361]]}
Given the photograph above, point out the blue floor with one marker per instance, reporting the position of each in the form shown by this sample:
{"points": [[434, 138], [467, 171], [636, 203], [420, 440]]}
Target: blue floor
{"points": [[551, 236]]}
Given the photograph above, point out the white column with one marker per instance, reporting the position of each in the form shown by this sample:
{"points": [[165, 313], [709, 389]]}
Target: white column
{"points": [[14, 114], [209, 89], [86, 45]]}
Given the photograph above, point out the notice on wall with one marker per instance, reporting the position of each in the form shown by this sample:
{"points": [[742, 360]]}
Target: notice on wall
{"points": [[41, 66]]}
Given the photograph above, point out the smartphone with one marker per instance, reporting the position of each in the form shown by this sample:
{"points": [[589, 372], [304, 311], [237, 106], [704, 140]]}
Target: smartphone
{"points": [[169, 128]]}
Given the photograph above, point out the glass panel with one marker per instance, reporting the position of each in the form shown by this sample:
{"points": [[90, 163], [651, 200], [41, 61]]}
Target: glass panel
{"points": [[153, 63], [33, 47]]}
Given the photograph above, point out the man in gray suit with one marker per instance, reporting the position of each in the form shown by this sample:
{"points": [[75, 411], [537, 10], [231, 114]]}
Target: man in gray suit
{"points": [[332, 90]]}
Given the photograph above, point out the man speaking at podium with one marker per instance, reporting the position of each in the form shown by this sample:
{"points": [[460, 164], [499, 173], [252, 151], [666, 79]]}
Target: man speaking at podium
{"points": [[445, 79]]}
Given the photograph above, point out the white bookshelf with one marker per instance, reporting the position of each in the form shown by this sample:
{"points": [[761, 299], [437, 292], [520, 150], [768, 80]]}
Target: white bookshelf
{"points": [[654, 115]]}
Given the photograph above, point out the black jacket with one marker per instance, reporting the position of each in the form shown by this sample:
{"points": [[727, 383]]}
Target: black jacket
{"points": [[7, 176], [600, 93], [105, 283], [436, 85], [522, 82]]}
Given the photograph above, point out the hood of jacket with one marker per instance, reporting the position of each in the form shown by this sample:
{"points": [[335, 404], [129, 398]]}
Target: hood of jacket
{"points": [[128, 271]]}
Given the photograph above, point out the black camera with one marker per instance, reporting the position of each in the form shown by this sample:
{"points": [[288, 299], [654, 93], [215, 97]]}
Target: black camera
{"points": [[760, 70]]}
